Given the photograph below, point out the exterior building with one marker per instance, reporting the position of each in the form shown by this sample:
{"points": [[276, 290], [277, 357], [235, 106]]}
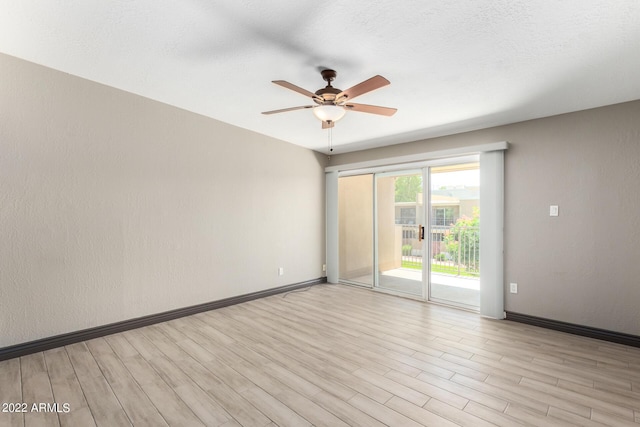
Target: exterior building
{"points": [[447, 205]]}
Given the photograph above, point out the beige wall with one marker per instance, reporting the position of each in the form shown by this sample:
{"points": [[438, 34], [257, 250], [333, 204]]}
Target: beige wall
{"points": [[355, 225], [581, 267], [113, 206], [389, 236]]}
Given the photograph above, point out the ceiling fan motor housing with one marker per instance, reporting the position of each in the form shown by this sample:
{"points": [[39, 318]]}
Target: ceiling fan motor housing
{"points": [[328, 93]]}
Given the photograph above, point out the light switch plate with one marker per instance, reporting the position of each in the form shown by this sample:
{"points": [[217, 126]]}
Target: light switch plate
{"points": [[553, 210]]}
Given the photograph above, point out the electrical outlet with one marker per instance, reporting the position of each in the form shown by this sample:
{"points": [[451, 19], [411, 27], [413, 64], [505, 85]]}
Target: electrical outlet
{"points": [[281, 271], [324, 267], [513, 287]]}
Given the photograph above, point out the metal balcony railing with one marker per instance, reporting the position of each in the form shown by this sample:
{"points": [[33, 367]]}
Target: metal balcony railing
{"points": [[454, 250]]}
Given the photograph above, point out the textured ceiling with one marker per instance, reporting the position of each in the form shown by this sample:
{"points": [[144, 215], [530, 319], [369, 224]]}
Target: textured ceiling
{"points": [[453, 66]]}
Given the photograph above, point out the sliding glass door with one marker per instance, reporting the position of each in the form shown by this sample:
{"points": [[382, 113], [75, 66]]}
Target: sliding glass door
{"points": [[454, 234], [413, 232], [399, 232], [355, 229]]}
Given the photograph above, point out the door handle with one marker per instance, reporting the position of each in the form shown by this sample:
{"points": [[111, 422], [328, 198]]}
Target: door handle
{"points": [[420, 233]]}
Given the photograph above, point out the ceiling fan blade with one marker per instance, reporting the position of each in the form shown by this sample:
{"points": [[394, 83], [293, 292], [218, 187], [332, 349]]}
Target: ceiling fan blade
{"points": [[375, 82], [373, 109], [328, 124], [287, 109], [295, 88]]}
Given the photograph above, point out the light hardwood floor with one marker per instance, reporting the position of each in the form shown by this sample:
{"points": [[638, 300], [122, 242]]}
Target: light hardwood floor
{"points": [[330, 356]]}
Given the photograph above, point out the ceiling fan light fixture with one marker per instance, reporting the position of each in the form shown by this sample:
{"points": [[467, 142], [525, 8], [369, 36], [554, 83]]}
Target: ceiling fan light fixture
{"points": [[327, 113]]}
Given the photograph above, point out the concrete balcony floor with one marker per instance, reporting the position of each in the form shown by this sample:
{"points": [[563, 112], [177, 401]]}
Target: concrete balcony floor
{"points": [[445, 288]]}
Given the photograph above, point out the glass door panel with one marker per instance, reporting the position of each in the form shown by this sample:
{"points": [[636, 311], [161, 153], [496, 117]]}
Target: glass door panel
{"points": [[454, 235], [400, 246], [355, 229]]}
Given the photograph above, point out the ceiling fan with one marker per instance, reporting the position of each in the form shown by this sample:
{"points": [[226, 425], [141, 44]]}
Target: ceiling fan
{"points": [[332, 103]]}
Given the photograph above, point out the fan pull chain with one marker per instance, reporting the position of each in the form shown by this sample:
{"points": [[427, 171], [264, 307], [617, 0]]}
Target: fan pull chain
{"points": [[329, 138]]}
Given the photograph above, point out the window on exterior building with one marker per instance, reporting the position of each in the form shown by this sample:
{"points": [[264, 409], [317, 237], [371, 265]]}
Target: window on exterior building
{"points": [[442, 216], [407, 216]]}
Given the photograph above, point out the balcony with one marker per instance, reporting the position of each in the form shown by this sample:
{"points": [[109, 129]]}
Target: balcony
{"points": [[454, 263]]}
